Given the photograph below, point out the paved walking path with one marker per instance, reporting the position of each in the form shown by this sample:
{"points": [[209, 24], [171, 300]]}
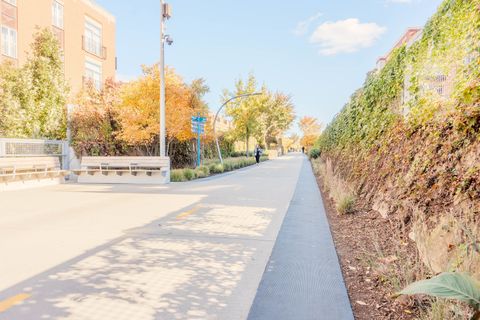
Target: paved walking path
{"points": [[303, 279], [193, 250]]}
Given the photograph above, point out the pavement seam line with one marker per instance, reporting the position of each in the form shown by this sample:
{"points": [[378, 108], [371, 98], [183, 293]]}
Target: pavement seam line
{"points": [[194, 236], [12, 301]]}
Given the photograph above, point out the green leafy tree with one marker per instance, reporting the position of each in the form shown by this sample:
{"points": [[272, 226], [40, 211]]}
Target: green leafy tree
{"points": [[246, 111], [15, 101], [276, 117], [34, 97], [47, 119]]}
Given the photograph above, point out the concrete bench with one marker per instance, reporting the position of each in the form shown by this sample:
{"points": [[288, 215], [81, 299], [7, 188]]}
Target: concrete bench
{"points": [[141, 170], [30, 168]]}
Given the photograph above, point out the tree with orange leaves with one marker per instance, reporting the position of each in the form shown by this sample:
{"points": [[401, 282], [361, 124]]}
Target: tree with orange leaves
{"points": [[94, 123], [310, 128], [139, 108]]}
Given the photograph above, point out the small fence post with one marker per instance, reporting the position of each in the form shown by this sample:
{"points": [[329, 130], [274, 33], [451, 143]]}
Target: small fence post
{"points": [[65, 155], [2, 148]]}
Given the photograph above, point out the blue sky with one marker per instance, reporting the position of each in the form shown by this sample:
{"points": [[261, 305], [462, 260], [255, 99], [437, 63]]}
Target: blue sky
{"points": [[317, 51]]}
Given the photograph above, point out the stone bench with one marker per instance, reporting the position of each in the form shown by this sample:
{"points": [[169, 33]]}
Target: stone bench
{"points": [[30, 168], [130, 170]]}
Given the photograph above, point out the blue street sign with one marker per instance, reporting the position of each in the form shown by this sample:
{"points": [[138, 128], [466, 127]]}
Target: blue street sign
{"points": [[198, 127], [199, 119]]}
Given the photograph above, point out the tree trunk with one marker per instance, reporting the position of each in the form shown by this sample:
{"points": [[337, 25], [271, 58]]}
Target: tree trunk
{"points": [[265, 136], [168, 147], [247, 136]]}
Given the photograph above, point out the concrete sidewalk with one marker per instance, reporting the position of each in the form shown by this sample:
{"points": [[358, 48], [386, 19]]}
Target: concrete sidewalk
{"points": [[192, 250], [303, 279], [195, 250]]}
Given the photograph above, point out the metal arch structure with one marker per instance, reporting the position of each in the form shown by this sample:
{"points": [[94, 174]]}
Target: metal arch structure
{"points": [[218, 112]]}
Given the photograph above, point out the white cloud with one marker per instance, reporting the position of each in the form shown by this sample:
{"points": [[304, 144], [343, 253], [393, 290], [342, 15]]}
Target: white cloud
{"points": [[345, 36], [303, 26]]}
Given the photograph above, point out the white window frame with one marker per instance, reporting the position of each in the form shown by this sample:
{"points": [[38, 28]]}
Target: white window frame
{"points": [[12, 2], [93, 37], [93, 72], [57, 14], [8, 41]]}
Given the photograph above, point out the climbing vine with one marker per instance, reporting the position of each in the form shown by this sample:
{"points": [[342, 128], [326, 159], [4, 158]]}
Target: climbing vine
{"points": [[408, 142], [435, 78]]}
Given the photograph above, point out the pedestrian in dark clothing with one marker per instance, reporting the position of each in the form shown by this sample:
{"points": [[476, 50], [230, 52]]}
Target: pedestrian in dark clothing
{"points": [[257, 153], [303, 149]]}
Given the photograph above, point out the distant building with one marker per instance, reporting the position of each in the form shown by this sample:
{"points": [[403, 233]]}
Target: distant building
{"points": [[85, 31], [408, 38], [223, 124]]}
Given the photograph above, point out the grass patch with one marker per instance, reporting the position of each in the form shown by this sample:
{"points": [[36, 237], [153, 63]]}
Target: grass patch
{"points": [[346, 205], [189, 174], [176, 175]]}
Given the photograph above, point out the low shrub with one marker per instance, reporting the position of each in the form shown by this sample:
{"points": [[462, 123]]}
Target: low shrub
{"points": [[217, 168], [237, 154], [204, 169], [199, 173], [314, 153], [346, 204], [177, 175], [211, 167], [238, 163], [228, 166], [189, 174]]}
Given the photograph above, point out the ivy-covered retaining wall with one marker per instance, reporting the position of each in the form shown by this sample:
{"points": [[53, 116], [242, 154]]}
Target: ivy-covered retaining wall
{"points": [[408, 143]]}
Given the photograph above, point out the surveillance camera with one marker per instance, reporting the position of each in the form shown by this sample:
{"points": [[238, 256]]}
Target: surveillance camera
{"points": [[168, 40]]}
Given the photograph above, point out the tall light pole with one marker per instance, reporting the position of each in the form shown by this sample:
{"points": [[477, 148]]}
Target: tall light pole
{"points": [[216, 115], [165, 14]]}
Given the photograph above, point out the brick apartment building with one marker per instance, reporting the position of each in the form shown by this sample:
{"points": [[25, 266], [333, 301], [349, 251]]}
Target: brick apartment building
{"points": [[86, 33]]}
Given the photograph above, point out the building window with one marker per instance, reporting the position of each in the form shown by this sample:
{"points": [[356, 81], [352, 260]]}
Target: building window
{"points": [[57, 14], [9, 42], [93, 38], [93, 72], [12, 2], [9, 15]]}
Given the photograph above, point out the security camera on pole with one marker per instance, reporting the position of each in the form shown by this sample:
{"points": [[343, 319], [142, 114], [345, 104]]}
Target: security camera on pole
{"points": [[165, 14]]}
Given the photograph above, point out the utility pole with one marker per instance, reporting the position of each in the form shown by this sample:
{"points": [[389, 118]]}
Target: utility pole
{"points": [[199, 147], [165, 14]]}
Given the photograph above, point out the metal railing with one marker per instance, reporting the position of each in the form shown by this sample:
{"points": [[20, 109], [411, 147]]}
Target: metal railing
{"points": [[16, 148]]}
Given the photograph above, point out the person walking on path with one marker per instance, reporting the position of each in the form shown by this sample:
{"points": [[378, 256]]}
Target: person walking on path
{"points": [[257, 153]]}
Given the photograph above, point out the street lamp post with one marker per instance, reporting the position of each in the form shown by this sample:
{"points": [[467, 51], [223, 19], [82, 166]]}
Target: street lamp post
{"points": [[165, 14], [216, 115]]}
